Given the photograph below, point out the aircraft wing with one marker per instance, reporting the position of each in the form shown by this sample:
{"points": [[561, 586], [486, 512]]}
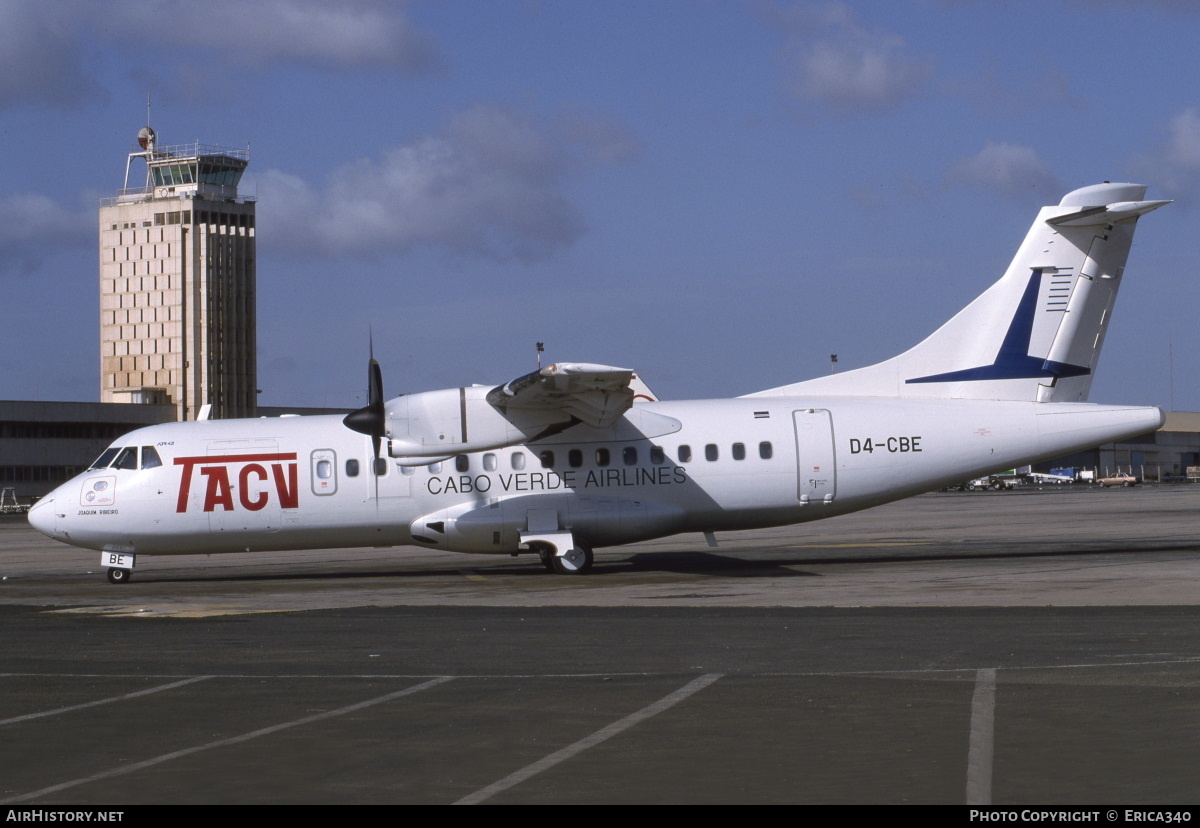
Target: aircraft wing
{"points": [[593, 394]]}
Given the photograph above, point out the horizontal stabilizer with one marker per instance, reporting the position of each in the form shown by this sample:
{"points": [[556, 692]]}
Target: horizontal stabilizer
{"points": [[1109, 214]]}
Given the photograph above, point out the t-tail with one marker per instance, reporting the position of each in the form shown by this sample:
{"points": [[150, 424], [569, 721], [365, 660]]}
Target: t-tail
{"points": [[1036, 334]]}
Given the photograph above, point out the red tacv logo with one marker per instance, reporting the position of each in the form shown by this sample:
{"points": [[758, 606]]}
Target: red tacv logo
{"points": [[252, 479]]}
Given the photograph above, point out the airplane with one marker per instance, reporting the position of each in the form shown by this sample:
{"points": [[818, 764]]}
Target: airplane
{"points": [[579, 456]]}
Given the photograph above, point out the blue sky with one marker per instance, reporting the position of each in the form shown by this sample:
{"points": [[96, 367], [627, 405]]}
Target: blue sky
{"points": [[716, 193]]}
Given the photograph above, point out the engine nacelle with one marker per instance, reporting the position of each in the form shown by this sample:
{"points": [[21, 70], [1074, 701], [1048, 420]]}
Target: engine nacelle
{"points": [[459, 420]]}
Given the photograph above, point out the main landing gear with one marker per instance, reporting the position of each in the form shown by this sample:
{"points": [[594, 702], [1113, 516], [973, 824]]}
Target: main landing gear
{"points": [[118, 576], [576, 561]]}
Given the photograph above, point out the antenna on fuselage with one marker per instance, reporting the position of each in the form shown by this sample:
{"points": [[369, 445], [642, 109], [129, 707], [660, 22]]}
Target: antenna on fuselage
{"points": [[541, 346]]}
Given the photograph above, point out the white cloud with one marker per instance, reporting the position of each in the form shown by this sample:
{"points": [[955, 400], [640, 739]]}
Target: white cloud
{"points": [[47, 48], [1184, 147], [30, 221], [339, 33], [803, 18], [34, 228], [1009, 169], [491, 183], [834, 61], [869, 72], [41, 63], [601, 138], [1174, 167], [1017, 90]]}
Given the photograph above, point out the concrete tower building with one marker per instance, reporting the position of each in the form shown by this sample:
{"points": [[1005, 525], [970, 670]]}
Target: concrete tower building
{"points": [[177, 283]]}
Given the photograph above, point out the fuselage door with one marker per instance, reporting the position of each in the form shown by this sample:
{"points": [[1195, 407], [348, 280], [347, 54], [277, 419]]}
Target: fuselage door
{"points": [[816, 473], [323, 471]]}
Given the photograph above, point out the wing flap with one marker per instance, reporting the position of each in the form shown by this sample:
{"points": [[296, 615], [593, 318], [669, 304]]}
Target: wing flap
{"points": [[594, 394]]}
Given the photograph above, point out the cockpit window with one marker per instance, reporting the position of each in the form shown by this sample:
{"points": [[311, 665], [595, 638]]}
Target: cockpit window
{"points": [[150, 458], [104, 459], [127, 459]]}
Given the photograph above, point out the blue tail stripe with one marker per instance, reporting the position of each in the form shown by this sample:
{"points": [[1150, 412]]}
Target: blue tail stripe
{"points": [[1013, 360]]}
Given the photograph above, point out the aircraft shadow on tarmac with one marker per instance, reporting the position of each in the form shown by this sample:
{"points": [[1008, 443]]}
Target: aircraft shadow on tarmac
{"points": [[701, 563], [683, 562]]}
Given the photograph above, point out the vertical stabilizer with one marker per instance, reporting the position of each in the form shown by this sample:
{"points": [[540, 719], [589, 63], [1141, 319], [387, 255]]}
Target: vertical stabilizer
{"points": [[1035, 334]]}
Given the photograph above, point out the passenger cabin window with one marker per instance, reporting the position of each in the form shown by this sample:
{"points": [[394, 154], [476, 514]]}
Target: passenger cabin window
{"points": [[408, 471], [764, 450], [685, 454], [150, 458], [739, 451], [462, 463], [381, 466], [574, 458], [629, 456], [517, 460], [324, 469], [710, 451], [547, 458], [352, 468], [435, 468], [489, 462], [127, 459], [657, 455], [602, 457]]}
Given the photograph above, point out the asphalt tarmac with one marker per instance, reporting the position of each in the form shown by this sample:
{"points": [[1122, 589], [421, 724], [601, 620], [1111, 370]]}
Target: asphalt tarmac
{"points": [[1028, 647]]}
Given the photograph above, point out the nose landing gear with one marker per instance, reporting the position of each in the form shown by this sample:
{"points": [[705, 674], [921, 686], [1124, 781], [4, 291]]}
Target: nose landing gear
{"points": [[119, 566]]}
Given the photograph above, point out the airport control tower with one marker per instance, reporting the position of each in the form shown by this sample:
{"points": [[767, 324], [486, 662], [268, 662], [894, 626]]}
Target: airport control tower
{"points": [[177, 283]]}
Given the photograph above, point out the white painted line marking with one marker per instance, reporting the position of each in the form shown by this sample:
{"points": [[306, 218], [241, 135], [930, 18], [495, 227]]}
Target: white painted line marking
{"points": [[982, 745], [109, 700], [233, 740], [601, 735]]}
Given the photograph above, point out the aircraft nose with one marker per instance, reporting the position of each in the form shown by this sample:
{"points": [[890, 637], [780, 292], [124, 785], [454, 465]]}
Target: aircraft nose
{"points": [[41, 515]]}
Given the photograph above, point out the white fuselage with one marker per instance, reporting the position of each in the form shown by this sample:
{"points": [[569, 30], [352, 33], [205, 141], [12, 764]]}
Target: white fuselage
{"points": [[692, 466]]}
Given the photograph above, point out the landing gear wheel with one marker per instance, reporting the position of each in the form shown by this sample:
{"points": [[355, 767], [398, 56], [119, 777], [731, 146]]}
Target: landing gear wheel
{"points": [[118, 576], [576, 562]]}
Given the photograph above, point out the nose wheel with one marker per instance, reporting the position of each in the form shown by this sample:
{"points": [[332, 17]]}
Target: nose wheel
{"points": [[118, 576]]}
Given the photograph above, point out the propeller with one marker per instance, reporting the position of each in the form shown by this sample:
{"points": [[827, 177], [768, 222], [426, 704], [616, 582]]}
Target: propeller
{"points": [[371, 419]]}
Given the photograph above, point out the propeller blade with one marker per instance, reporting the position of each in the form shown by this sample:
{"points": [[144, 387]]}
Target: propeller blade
{"points": [[370, 419], [375, 386]]}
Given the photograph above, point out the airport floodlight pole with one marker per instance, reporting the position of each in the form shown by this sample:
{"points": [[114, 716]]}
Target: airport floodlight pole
{"points": [[833, 363], [541, 346]]}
